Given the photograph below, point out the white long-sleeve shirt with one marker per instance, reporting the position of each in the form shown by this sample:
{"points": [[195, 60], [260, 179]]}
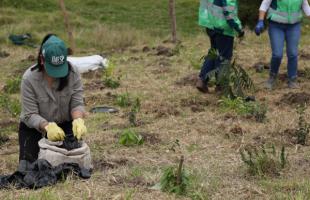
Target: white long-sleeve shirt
{"points": [[266, 4]]}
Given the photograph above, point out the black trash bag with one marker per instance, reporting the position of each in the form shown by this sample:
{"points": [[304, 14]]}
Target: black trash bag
{"points": [[41, 174]]}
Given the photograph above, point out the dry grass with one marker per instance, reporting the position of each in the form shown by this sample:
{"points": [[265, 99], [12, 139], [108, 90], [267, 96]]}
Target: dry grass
{"points": [[209, 154]]}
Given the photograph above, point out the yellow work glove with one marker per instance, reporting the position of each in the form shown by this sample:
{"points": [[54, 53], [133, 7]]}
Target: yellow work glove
{"points": [[54, 132], [79, 128]]}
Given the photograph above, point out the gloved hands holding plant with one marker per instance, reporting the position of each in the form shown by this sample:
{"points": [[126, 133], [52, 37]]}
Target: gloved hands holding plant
{"points": [[79, 128]]}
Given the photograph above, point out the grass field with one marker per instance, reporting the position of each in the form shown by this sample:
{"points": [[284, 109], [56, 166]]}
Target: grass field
{"points": [[172, 111]]}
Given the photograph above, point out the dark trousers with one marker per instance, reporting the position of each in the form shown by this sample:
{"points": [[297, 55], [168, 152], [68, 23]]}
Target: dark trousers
{"points": [[224, 45], [29, 138]]}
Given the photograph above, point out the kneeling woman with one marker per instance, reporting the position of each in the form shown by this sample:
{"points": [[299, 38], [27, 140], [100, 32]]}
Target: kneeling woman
{"points": [[52, 99]]}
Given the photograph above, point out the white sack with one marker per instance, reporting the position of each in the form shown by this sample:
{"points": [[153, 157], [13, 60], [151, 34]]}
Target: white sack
{"points": [[88, 63], [56, 156]]}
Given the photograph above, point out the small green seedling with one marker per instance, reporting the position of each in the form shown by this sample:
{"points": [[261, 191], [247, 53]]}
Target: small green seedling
{"points": [[108, 79], [130, 138], [123, 100], [264, 161], [175, 180], [135, 109]]}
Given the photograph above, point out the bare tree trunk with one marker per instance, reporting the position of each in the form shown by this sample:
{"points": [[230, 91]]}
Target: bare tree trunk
{"points": [[179, 173], [67, 25], [173, 20]]}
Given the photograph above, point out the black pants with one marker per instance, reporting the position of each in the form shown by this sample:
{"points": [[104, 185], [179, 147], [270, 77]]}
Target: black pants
{"points": [[29, 138], [224, 45]]}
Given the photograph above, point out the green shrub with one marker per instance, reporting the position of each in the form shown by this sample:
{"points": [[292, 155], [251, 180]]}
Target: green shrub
{"points": [[233, 80], [264, 161], [130, 138], [241, 107]]}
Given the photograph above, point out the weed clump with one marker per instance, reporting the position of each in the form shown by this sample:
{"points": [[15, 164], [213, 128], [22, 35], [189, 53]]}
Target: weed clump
{"points": [[135, 109], [244, 108], [130, 138], [303, 127], [123, 100], [264, 161]]}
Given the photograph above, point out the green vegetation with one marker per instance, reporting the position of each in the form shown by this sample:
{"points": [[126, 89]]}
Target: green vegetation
{"points": [[12, 86], [123, 100], [175, 180], [10, 105], [130, 138], [243, 108], [264, 161], [108, 77], [135, 109]]}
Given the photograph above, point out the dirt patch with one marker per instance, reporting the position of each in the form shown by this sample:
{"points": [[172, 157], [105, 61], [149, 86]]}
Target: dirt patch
{"points": [[108, 126], [295, 99], [189, 80], [163, 67], [3, 139], [104, 164], [94, 85], [303, 55], [195, 104], [146, 49], [163, 110], [164, 51], [4, 123], [99, 99], [4, 54], [261, 66], [151, 138]]}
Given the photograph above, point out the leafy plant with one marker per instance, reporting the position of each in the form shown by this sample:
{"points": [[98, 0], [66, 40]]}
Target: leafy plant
{"points": [[12, 85], [175, 180], [9, 104], [231, 78], [123, 100], [134, 111], [242, 107], [264, 161], [108, 79], [130, 138], [303, 127]]}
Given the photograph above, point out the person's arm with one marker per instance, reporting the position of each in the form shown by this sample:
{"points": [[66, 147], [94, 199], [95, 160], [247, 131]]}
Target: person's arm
{"points": [[306, 8], [231, 18], [261, 16], [30, 110], [77, 103]]}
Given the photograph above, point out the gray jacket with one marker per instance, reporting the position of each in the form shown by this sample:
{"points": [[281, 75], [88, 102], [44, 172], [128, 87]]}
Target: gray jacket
{"points": [[43, 104]]}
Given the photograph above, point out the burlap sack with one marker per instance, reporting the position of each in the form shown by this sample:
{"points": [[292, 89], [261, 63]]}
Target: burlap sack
{"points": [[56, 156]]}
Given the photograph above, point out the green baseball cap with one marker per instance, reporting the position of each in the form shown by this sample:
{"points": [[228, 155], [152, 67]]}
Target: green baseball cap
{"points": [[55, 53]]}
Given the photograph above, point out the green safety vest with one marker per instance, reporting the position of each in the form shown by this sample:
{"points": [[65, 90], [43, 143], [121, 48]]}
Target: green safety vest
{"points": [[287, 12], [212, 16]]}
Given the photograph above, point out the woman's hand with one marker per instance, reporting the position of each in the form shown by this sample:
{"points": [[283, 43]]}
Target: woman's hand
{"points": [[79, 128], [54, 132]]}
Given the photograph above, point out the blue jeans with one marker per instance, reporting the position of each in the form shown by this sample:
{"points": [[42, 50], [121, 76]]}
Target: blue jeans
{"points": [[278, 33], [224, 45]]}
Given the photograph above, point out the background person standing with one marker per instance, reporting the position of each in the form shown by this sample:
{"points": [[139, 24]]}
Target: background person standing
{"points": [[220, 18], [284, 26]]}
